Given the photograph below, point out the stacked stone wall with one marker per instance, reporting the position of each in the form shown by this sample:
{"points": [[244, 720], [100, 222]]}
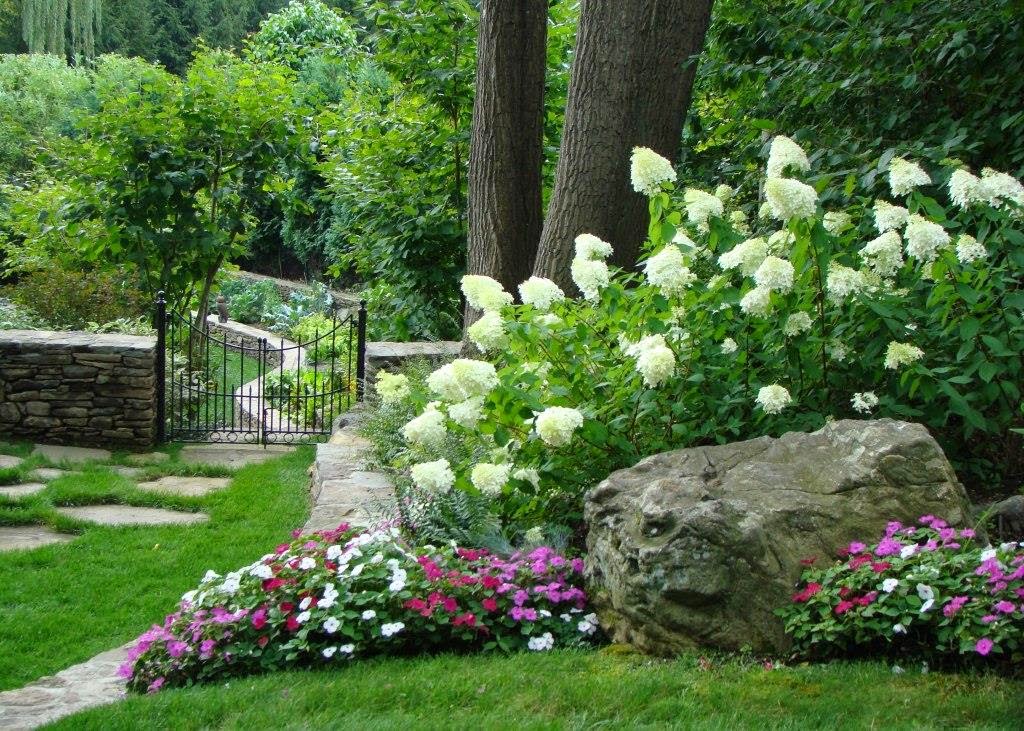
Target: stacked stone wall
{"points": [[78, 388]]}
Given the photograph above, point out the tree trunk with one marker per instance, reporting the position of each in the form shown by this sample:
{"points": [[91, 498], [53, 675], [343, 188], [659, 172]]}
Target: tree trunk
{"points": [[506, 150], [630, 86]]}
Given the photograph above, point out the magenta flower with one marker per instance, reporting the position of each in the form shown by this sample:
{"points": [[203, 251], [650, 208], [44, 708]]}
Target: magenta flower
{"points": [[983, 646], [176, 648], [967, 533], [155, 685], [989, 619], [857, 547], [955, 605], [888, 546], [1005, 607]]}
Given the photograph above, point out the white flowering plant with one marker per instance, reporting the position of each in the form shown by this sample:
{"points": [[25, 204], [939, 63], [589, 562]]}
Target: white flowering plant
{"points": [[925, 590], [732, 328]]}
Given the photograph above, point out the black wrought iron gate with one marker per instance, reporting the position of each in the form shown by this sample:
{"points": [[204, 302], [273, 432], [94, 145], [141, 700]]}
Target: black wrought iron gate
{"points": [[220, 384]]}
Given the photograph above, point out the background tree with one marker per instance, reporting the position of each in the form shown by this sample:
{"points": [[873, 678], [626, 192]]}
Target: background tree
{"points": [[631, 84], [62, 27]]}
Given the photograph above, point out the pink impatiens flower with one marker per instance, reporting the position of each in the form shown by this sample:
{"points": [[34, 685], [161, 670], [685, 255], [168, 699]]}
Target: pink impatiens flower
{"points": [[983, 646], [955, 605], [1005, 607]]}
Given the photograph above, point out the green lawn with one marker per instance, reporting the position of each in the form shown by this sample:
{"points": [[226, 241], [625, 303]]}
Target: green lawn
{"points": [[228, 369], [576, 690], [62, 604]]}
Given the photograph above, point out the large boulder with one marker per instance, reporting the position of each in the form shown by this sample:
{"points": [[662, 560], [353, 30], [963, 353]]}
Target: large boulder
{"points": [[700, 546]]}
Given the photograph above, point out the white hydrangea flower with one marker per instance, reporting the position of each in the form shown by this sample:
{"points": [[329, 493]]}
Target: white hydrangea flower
{"points": [[798, 322], [527, 474], [738, 219], [965, 189], [785, 153], [667, 271], [488, 333], [924, 239], [490, 478], [884, 255], [484, 293], [729, 346], [688, 244], [842, 282], [655, 361], [904, 176], [790, 198], [889, 217], [463, 379], [467, 413], [836, 351], [556, 425], [899, 354], [534, 535], [969, 250], [701, 206], [725, 193], [746, 256], [434, 476], [999, 188], [426, 430], [835, 222], [649, 171], [591, 276], [864, 402], [589, 247], [757, 302], [392, 387], [773, 399], [541, 293], [781, 242], [764, 211], [775, 274], [549, 320]]}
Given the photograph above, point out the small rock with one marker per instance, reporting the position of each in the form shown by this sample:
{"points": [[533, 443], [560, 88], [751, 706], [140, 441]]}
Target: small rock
{"points": [[131, 515], [75, 455], [190, 486], [24, 537], [232, 455], [7, 461], [147, 458], [48, 473], [19, 491], [1008, 518]]}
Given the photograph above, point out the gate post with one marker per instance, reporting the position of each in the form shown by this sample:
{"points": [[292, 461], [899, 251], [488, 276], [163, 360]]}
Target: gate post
{"points": [[161, 368], [361, 352]]}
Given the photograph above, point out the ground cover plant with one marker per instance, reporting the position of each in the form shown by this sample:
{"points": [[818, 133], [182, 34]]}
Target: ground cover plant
{"points": [[123, 579]]}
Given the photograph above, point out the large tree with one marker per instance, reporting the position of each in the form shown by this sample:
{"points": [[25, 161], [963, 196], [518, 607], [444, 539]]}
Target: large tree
{"points": [[631, 82], [506, 151], [62, 26]]}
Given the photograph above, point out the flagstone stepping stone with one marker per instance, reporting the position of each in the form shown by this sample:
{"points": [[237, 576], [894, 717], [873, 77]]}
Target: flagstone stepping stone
{"points": [[130, 472], [47, 473], [232, 455], [23, 537], [146, 459], [7, 460], [17, 491], [131, 515], [60, 453], [190, 486]]}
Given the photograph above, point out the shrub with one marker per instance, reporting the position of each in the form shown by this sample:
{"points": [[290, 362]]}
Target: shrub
{"points": [[737, 329], [68, 299], [249, 301], [287, 317], [324, 338], [337, 595], [926, 589], [15, 317], [311, 398], [141, 325]]}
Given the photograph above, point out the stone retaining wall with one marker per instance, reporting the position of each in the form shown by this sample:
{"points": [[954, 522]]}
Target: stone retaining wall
{"points": [[78, 388]]}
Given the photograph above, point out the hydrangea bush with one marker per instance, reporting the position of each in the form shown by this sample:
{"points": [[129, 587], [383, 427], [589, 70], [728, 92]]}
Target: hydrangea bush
{"points": [[737, 326], [926, 589], [334, 596]]}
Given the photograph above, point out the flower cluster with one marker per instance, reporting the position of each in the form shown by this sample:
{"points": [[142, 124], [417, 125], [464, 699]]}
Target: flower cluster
{"points": [[927, 588], [337, 595]]}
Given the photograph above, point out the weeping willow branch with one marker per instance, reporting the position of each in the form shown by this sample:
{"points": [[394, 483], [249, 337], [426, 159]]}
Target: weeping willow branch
{"points": [[62, 27]]}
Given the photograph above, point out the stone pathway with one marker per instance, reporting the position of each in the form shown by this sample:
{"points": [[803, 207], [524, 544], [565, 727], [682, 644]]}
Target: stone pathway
{"points": [[130, 472], [232, 455], [190, 486], [47, 473], [74, 455], [117, 515], [23, 537], [147, 458], [7, 461], [22, 490]]}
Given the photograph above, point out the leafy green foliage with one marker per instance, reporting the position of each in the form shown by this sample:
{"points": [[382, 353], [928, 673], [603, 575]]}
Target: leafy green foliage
{"points": [[248, 301], [71, 299]]}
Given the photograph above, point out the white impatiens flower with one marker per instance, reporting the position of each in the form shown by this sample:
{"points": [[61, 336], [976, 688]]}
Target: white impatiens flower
{"points": [[889, 585], [648, 171], [391, 628], [541, 644], [729, 346], [904, 176], [924, 238], [965, 189], [484, 293], [488, 333], [701, 206], [307, 563], [899, 354], [725, 193], [541, 293], [331, 625], [655, 361], [969, 250], [757, 302], [667, 271], [462, 379], [842, 282], [790, 198], [347, 649], [884, 255], [527, 474], [773, 399], [899, 629], [999, 188], [746, 256], [589, 247], [434, 476], [328, 652], [591, 276], [556, 425], [927, 595], [426, 430], [490, 478], [392, 387], [835, 222], [889, 217], [798, 322], [262, 571], [785, 153], [863, 402], [775, 274], [467, 413]]}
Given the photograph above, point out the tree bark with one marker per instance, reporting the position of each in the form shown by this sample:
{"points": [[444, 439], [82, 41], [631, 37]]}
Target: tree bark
{"points": [[506, 149], [631, 86]]}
